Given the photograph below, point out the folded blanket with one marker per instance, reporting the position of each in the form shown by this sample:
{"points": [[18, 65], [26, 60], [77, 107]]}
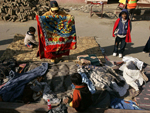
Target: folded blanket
{"points": [[57, 35], [88, 60]]}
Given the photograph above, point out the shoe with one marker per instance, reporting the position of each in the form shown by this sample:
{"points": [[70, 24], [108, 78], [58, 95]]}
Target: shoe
{"points": [[120, 55], [114, 54], [144, 52]]}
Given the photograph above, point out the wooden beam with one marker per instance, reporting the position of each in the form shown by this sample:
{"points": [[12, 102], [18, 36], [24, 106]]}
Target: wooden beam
{"points": [[143, 5], [6, 107]]}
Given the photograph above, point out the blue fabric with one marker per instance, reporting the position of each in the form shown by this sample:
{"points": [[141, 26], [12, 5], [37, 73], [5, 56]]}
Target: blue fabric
{"points": [[123, 28], [124, 10], [118, 103], [88, 82], [14, 87], [73, 87]]}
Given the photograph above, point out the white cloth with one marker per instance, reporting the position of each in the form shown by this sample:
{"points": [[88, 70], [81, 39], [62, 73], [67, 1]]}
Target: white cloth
{"points": [[136, 61], [53, 99], [132, 76]]}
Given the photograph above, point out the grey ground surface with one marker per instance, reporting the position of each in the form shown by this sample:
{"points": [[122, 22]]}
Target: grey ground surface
{"points": [[101, 28]]}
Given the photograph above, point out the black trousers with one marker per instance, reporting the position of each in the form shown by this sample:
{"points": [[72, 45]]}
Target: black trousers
{"points": [[147, 46], [122, 45]]}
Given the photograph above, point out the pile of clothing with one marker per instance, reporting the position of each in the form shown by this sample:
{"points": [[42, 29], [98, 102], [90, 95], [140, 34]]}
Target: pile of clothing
{"points": [[42, 81], [124, 81], [122, 86]]}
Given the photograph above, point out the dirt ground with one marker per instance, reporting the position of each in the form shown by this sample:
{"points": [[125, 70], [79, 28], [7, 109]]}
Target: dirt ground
{"points": [[101, 28]]}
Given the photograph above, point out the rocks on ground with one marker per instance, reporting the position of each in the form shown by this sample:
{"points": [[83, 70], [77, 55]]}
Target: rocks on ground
{"points": [[22, 10]]}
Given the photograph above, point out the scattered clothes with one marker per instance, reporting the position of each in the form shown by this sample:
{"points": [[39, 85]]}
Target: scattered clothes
{"points": [[86, 80], [6, 66], [61, 109], [132, 75], [147, 46], [143, 99], [131, 94], [136, 61], [100, 77], [89, 67], [27, 95], [101, 99], [53, 98], [34, 65], [39, 88], [58, 77], [118, 103], [121, 90], [14, 87], [146, 70], [88, 60], [21, 68]]}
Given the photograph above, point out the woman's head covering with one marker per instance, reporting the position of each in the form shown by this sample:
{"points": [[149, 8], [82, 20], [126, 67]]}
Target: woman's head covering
{"points": [[54, 5]]}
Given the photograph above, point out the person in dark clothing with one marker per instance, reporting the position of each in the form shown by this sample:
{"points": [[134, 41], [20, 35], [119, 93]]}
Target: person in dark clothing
{"points": [[131, 5], [147, 46], [82, 97], [121, 30]]}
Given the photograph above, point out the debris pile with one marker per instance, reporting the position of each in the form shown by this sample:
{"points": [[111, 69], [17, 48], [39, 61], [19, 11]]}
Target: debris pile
{"points": [[22, 10]]}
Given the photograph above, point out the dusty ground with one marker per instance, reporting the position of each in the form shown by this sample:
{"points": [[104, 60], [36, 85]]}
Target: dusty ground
{"points": [[86, 26], [17, 50]]}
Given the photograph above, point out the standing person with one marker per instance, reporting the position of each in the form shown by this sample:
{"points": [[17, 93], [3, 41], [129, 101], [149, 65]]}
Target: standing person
{"points": [[55, 10], [29, 39], [131, 5], [121, 30]]}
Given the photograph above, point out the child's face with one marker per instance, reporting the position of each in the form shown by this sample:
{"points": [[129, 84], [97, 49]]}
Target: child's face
{"points": [[32, 33], [124, 15]]}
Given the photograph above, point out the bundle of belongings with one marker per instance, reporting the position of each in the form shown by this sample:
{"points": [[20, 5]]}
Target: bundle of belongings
{"points": [[137, 75], [56, 34], [125, 82], [123, 86], [42, 81], [88, 60], [6, 66]]}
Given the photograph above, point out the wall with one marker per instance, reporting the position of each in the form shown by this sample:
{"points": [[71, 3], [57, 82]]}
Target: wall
{"points": [[144, 1]]}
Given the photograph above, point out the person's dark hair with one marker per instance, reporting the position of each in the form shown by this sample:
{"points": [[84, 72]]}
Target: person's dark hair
{"points": [[32, 29], [123, 12], [76, 79], [54, 4]]}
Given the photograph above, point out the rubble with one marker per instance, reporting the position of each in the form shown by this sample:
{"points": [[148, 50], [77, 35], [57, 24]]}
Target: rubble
{"points": [[22, 10]]}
